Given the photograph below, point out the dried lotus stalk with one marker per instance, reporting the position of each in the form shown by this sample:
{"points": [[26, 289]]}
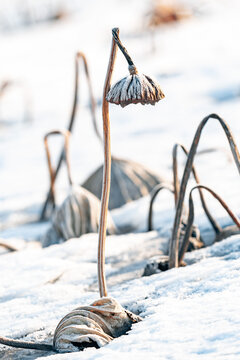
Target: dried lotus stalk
{"points": [[99, 323], [52, 173], [92, 326], [78, 57], [153, 195], [225, 233], [195, 241], [174, 243], [176, 182], [135, 88]]}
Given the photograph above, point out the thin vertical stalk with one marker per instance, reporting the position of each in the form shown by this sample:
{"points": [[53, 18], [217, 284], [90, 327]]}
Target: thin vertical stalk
{"points": [[52, 173], [191, 218], [174, 242], [80, 55], [106, 174], [217, 228]]}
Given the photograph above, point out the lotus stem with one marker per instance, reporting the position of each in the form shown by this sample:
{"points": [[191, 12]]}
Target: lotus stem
{"points": [[132, 68], [106, 172], [25, 344], [52, 173], [153, 196], [78, 57], [8, 247], [217, 228], [81, 55], [174, 242], [191, 218]]}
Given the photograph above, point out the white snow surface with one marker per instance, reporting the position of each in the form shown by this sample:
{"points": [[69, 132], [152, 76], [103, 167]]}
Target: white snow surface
{"points": [[190, 312]]}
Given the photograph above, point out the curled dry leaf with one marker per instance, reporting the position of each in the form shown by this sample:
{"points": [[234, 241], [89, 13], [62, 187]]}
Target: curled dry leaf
{"points": [[129, 181], [93, 326], [77, 215]]}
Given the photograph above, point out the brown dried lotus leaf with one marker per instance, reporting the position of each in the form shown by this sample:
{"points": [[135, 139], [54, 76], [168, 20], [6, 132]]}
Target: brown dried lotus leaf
{"points": [[135, 89], [76, 337], [79, 320], [87, 314], [106, 305], [94, 325], [77, 215], [117, 320], [129, 181]]}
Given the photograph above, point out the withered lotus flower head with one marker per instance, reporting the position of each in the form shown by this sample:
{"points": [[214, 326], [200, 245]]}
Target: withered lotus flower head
{"points": [[135, 88], [92, 326]]}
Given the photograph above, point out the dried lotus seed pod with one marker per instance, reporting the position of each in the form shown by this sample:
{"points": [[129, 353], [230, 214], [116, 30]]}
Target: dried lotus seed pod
{"points": [[135, 88]]}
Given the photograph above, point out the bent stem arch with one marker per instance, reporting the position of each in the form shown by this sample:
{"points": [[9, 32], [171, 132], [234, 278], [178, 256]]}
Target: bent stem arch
{"points": [[153, 196], [174, 243], [175, 190], [176, 182], [191, 218], [52, 173], [106, 173], [78, 57]]}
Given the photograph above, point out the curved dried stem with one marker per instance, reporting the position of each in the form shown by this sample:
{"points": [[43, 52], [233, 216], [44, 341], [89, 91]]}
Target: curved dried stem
{"points": [[8, 247], [106, 173], [25, 344], [115, 33], [175, 190], [153, 196], [52, 172], [191, 218], [174, 243], [217, 228], [78, 57]]}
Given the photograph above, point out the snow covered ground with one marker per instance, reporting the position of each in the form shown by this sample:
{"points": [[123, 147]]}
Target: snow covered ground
{"points": [[191, 312]]}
